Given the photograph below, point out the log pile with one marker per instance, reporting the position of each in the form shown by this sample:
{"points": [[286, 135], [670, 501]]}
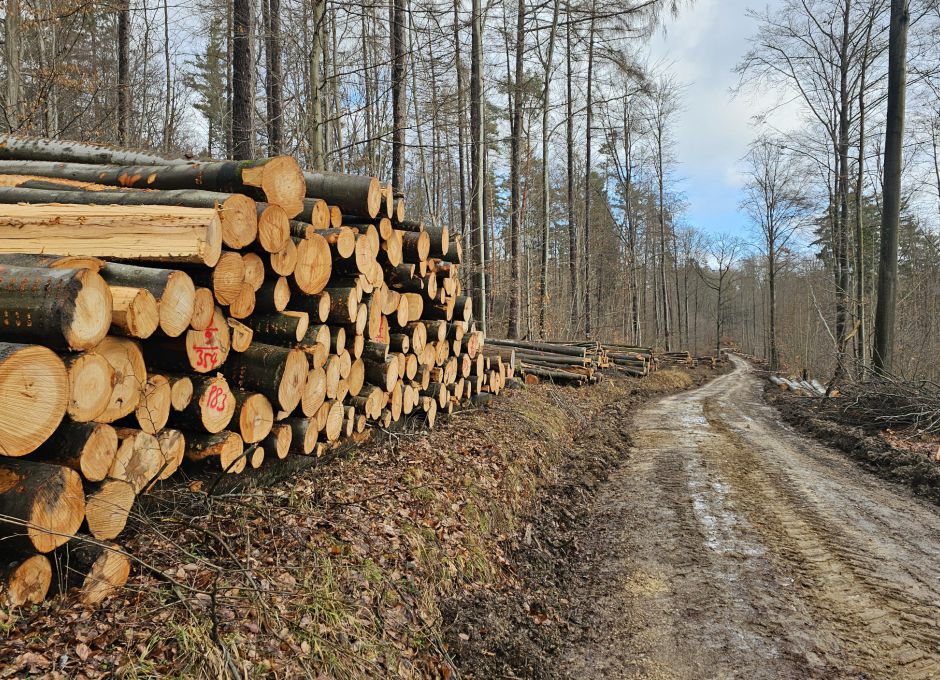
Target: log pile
{"points": [[221, 315], [575, 361]]}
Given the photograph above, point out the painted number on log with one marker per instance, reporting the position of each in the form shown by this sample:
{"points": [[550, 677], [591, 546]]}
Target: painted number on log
{"points": [[208, 354], [217, 398]]}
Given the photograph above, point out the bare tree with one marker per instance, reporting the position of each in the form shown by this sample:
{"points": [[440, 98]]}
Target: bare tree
{"points": [[723, 251], [775, 202], [883, 351]]}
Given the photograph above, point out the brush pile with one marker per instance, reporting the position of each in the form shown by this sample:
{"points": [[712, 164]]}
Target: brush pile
{"points": [[222, 314]]}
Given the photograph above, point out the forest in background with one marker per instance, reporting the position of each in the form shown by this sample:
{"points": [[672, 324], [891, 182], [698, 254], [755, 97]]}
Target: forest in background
{"points": [[538, 132]]}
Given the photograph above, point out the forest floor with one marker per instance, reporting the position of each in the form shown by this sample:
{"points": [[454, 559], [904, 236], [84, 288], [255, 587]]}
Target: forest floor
{"points": [[369, 563], [635, 529]]}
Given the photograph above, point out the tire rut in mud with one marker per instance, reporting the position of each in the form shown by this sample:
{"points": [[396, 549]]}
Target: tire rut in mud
{"points": [[729, 546]]}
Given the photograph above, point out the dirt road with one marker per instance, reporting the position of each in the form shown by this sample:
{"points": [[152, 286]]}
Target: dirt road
{"points": [[728, 546]]}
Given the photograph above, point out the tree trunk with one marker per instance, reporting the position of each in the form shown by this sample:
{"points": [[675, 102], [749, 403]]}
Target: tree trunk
{"points": [[243, 81], [123, 59], [883, 351], [546, 189], [278, 179], [589, 111], [13, 51], [572, 227], [399, 105], [273, 78], [478, 161], [315, 104], [515, 171]]}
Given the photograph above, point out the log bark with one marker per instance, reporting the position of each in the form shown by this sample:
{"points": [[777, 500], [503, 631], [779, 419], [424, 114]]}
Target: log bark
{"points": [[223, 450], [280, 328], [41, 505], [148, 233], [279, 440], [98, 571], [352, 194], [273, 296], [276, 372], [62, 308], [304, 434], [279, 179], [53, 261]]}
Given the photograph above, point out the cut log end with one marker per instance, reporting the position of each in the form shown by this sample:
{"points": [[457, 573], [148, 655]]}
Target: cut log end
{"points": [[239, 218], [34, 393], [45, 503], [90, 315], [107, 508], [282, 182], [26, 581]]}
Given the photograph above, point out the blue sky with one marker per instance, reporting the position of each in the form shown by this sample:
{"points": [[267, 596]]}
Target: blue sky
{"points": [[701, 47]]}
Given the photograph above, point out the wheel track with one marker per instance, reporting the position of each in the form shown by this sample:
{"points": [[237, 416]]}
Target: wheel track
{"points": [[729, 546]]}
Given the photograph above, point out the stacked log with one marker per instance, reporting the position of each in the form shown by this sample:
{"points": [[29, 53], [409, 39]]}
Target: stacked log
{"points": [[221, 315]]}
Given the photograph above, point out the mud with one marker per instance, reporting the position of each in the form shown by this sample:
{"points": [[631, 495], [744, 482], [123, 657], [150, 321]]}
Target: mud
{"points": [[727, 545]]}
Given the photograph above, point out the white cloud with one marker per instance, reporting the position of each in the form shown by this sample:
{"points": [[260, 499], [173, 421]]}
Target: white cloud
{"points": [[701, 47]]}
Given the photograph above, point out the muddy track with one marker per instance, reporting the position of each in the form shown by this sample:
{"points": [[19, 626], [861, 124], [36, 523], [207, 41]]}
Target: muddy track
{"points": [[728, 545]]}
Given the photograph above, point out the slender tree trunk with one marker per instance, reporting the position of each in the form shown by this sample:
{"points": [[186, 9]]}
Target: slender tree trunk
{"points": [[772, 305], [243, 128], [515, 170], [397, 35], [168, 77], [13, 53], [229, 67], [546, 189], [572, 227], [664, 296], [842, 187], [586, 282], [314, 95], [461, 120], [861, 339], [883, 351], [273, 78], [478, 160], [124, 56]]}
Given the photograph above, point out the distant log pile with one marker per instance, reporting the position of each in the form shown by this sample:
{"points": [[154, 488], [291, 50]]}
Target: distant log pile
{"points": [[579, 362], [222, 314]]}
